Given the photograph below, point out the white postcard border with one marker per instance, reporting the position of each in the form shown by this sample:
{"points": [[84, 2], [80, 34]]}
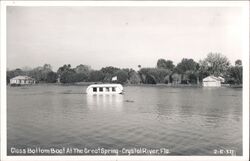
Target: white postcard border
{"points": [[245, 38]]}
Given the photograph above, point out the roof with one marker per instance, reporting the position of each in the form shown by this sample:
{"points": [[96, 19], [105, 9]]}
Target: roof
{"points": [[22, 77], [220, 77], [211, 78], [105, 85]]}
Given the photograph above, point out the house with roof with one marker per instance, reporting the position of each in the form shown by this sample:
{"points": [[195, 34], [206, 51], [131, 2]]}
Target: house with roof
{"points": [[22, 80], [212, 81]]}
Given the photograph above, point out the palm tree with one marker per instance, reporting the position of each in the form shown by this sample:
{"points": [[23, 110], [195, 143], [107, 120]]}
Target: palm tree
{"points": [[139, 66]]}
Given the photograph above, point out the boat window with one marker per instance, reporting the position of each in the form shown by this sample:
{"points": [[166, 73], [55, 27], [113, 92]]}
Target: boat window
{"points": [[107, 89], [113, 89], [101, 89], [94, 89]]}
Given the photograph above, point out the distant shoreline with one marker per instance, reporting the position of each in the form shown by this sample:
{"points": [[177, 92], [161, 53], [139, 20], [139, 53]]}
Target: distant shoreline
{"points": [[138, 85]]}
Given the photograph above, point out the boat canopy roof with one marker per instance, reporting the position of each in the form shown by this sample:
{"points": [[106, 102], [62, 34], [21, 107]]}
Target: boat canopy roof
{"points": [[22, 77], [105, 85]]}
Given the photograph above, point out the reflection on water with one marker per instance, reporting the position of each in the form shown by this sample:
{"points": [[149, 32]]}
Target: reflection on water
{"points": [[187, 121], [114, 101]]}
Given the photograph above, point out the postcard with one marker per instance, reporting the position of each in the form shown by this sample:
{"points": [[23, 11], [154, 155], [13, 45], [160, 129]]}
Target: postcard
{"points": [[124, 80]]}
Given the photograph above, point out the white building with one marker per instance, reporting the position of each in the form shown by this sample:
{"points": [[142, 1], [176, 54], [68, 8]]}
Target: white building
{"points": [[212, 81], [22, 80]]}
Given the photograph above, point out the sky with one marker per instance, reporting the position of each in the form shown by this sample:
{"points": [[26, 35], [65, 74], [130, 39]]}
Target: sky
{"points": [[123, 37]]}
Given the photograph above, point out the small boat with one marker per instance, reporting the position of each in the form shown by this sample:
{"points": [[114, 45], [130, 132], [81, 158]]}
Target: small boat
{"points": [[104, 89]]}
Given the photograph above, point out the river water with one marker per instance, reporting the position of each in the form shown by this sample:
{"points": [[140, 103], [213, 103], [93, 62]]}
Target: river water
{"points": [[185, 121]]}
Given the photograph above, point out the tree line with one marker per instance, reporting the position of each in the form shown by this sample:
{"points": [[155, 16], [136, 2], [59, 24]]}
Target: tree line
{"points": [[185, 72]]}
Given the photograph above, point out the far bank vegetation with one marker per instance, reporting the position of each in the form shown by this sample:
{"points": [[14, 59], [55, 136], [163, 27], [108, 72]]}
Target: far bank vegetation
{"points": [[165, 72]]}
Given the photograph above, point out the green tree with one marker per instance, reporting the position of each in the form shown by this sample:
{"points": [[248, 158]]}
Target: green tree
{"points": [[128, 71], [203, 70], [176, 78], [134, 78], [146, 75], [238, 62], [82, 72], [26, 70], [68, 76], [165, 64], [51, 77], [96, 76], [189, 71], [13, 73], [37, 74], [62, 69], [186, 65], [109, 72], [81, 77], [85, 69], [17, 72], [122, 76], [45, 70], [215, 64], [40, 74], [234, 75], [153, 75]]}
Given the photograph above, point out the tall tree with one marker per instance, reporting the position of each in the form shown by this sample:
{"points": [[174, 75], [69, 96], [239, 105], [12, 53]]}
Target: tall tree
{"points": [[51, 77], [189, 70], [215, 64], [238, 62], [134, 78], [66, 74], [64, 68], [83, 69], [37, 74], [234, 75], [40, 73], [186, 65], [46, 69], [109, 70], [68, 77], [13, 73], [96, 76], [153, 75], [129, 71], [122, 76], [165, 64]]}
